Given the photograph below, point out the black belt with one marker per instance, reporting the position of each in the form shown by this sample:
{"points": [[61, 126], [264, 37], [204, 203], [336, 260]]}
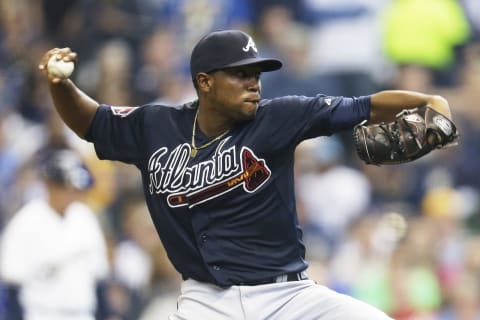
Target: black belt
{"points": [[287, 277]]}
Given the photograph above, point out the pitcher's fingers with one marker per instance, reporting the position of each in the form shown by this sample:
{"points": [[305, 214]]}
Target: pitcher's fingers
{"points": [[43, 62], [72, 56]]}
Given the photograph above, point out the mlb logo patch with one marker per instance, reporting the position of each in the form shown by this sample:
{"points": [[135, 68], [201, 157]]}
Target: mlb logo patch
{"points": [[123, 111]]}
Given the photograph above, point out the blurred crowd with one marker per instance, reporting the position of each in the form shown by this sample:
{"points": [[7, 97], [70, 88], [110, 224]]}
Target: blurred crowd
{"points": [[405, 238]]}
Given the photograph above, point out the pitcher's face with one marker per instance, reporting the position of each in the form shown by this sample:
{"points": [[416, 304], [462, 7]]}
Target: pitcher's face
{"points": [[236, 92]]}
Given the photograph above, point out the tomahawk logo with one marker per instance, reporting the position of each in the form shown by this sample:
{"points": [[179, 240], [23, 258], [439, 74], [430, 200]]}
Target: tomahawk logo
{"points": [[190, 186], [250, 45], [122, 111]]}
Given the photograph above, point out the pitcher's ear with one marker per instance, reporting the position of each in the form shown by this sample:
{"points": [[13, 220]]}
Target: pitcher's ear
{"points": [[204, 81]]}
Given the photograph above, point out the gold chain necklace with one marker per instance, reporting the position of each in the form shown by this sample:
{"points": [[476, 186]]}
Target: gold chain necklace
{"points": [[194, 148]]}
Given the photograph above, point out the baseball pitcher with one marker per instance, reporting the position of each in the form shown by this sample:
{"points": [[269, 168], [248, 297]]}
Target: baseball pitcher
{"points": [[218, 174]]}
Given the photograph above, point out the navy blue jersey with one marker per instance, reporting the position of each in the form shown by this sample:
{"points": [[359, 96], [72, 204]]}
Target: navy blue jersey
{"points": [[228, 215]]}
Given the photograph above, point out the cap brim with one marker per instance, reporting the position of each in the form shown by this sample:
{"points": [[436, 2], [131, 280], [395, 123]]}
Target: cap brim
{"points": [[265, 64]]}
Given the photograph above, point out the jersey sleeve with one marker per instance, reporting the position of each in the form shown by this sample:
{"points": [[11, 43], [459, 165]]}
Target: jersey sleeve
{"points": [[14, 258], [296, 118], [117, 133]]}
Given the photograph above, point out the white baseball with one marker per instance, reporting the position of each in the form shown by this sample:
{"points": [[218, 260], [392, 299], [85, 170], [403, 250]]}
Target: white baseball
{"points": [[59, 68]]}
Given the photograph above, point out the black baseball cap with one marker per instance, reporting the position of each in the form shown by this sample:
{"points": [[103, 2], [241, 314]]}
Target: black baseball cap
{"points": [[65, 167], [225, 49]]}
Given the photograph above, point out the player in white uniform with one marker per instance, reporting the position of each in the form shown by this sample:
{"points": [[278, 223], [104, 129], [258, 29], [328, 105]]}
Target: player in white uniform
{"points": [[53, 249]]}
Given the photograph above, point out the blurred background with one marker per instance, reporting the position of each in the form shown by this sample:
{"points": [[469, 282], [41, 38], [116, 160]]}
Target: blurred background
{"points": [[404, 238]]}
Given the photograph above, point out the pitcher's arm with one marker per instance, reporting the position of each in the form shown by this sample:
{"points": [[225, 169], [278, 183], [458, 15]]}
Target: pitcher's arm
{"points": [[386, 104], [73, 105]]}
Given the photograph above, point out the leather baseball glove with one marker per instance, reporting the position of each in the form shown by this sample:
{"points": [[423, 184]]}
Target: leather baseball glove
{"points": [[413, 134]]}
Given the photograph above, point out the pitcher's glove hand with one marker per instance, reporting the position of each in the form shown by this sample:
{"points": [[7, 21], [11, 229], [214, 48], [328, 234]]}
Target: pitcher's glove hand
{"points": [[413, 134]]}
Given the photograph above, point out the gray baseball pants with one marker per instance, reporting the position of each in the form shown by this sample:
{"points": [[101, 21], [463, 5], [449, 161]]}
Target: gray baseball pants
{"points": [[295, 300]]}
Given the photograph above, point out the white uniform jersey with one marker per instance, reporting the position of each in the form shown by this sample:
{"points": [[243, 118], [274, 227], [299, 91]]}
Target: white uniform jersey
{"points": [[56, 260]]}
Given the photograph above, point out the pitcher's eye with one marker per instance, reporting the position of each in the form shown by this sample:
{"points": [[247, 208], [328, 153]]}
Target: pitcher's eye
{"points": [[240, 73], [244, 74]]}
